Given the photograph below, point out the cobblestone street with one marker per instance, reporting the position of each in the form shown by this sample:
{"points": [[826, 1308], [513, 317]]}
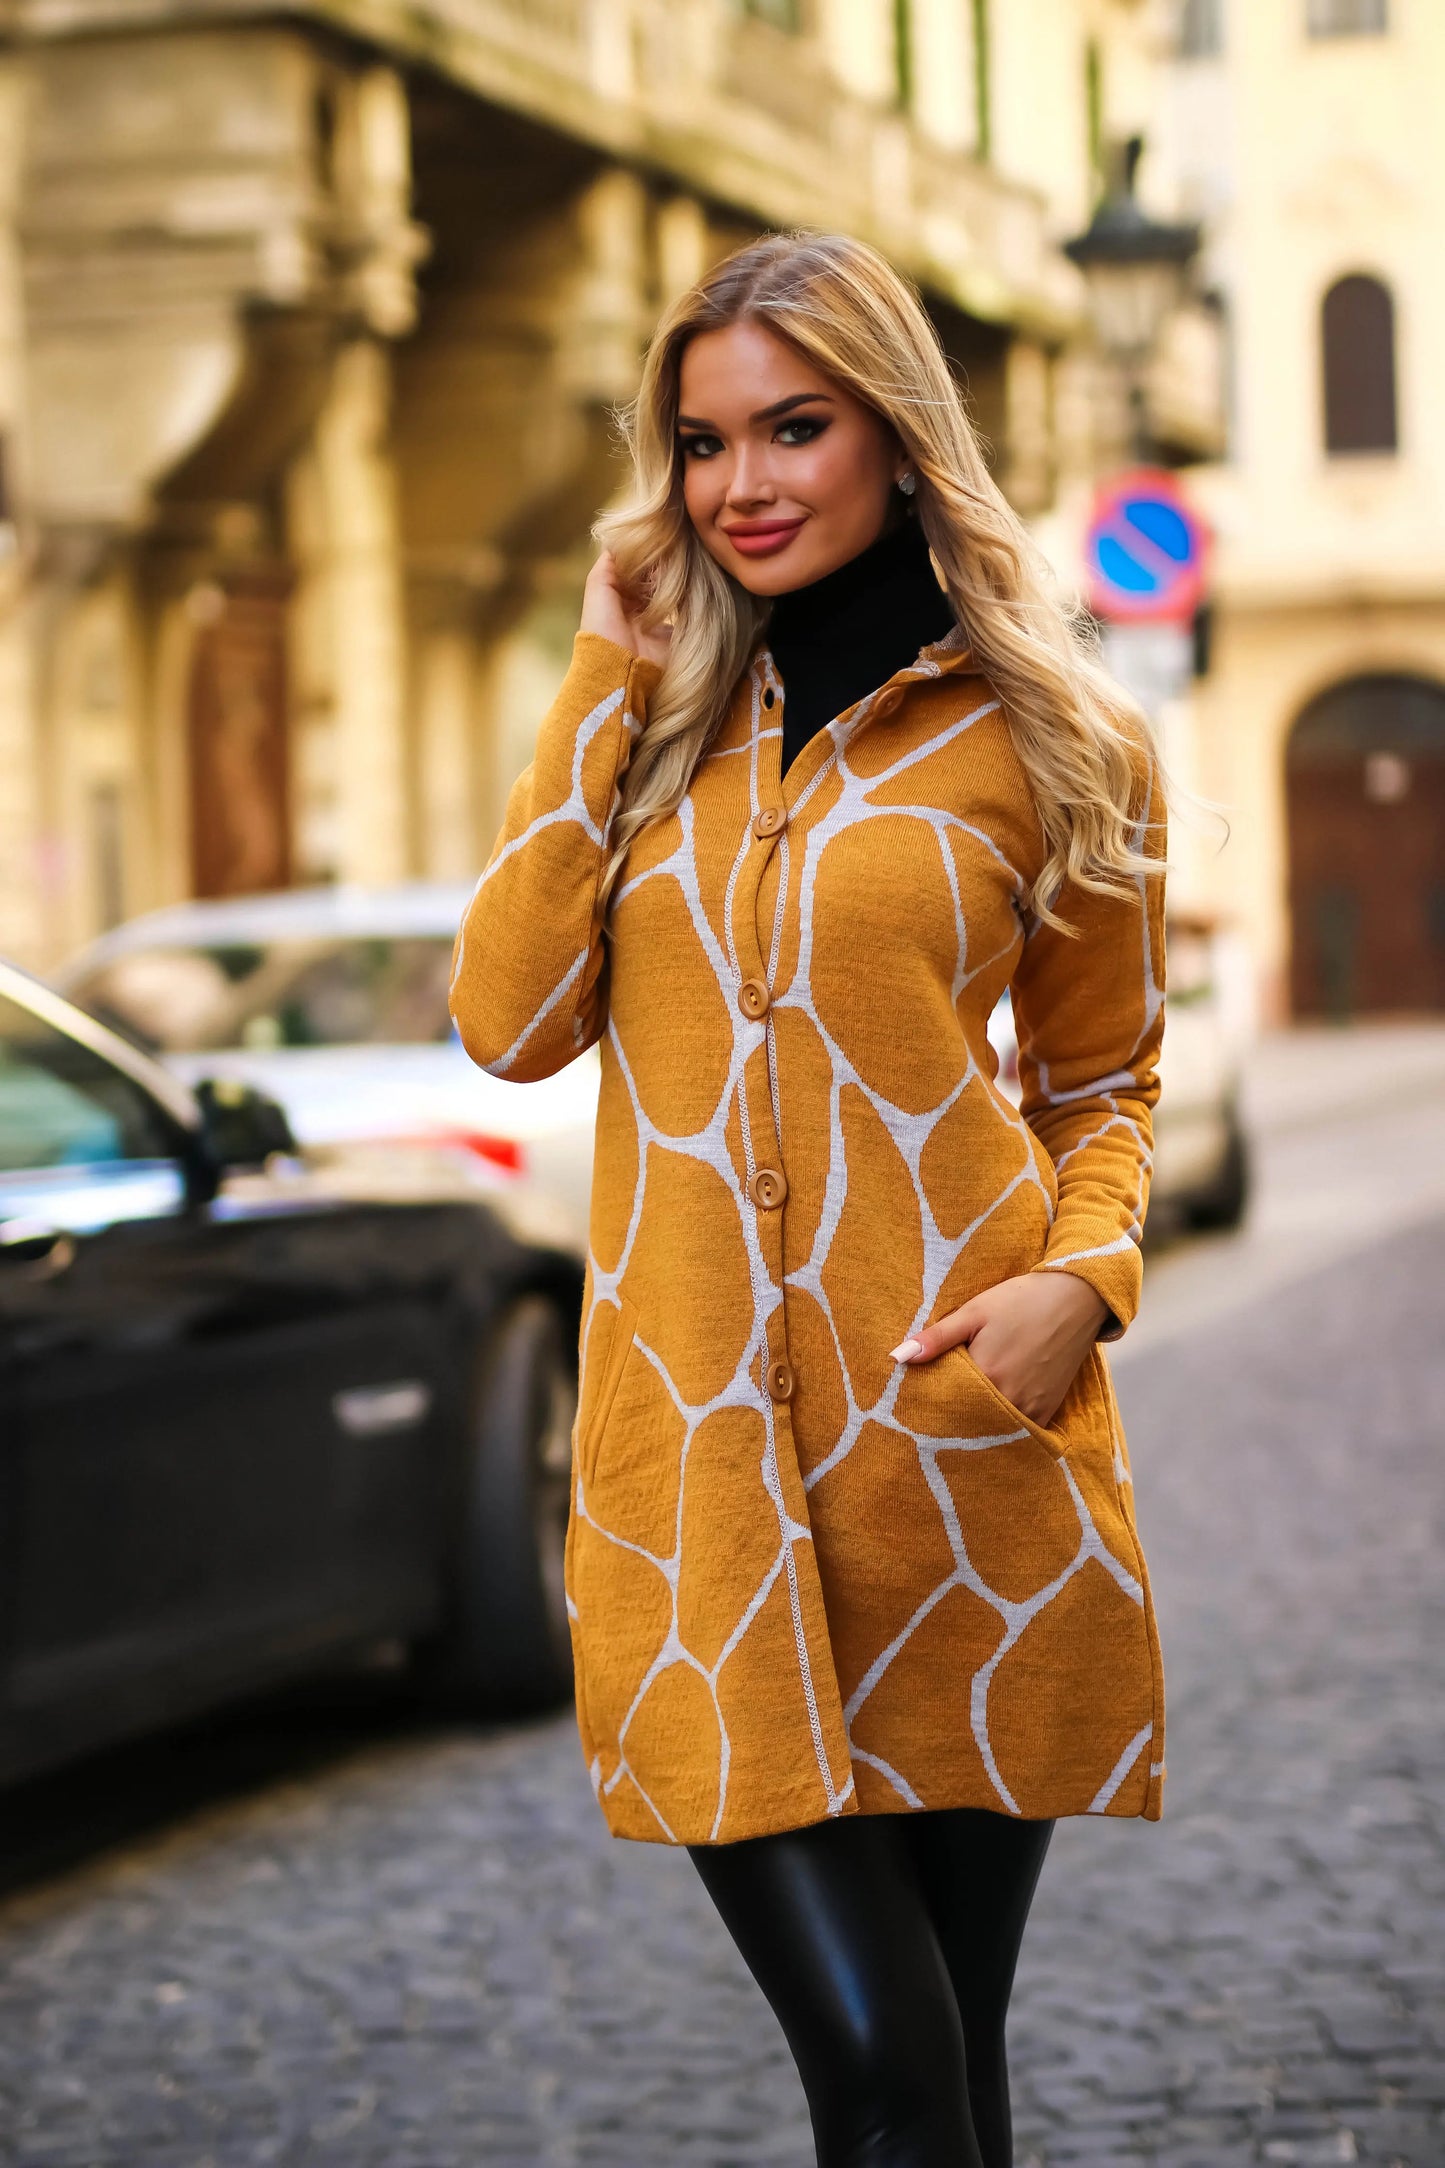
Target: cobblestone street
{"points": [[424, 1952]]}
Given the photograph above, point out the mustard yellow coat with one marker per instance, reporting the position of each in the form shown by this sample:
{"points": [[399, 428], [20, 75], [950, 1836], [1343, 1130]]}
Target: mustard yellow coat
{"points": [[805, 1581]]}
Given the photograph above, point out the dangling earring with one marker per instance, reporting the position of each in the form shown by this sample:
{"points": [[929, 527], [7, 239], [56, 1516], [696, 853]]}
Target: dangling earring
{"points": [[908, 483]]}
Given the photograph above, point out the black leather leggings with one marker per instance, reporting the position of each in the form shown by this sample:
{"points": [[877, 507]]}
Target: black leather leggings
{"points": [[886, 1945]]}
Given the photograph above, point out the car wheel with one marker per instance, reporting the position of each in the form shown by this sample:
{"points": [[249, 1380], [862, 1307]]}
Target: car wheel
{"points": [[1222, 1204], [506, 1647]]}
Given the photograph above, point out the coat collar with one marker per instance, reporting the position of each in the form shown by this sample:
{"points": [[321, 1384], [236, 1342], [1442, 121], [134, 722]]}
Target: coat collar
{"points": [[951, 656]]}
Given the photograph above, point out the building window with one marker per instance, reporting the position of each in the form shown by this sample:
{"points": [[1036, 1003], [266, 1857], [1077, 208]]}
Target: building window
{"points": [[1201, 29], [1358, 341], [1348, 18], [782, 14], [982, 80], [1094, 113], [903, 51]]}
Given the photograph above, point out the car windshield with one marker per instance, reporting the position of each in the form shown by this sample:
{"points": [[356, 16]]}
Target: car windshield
{"points": [[358, 992], [63, 1105]]}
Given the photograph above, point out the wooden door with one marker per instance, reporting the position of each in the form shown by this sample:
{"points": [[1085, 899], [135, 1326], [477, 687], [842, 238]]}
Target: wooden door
{"points": [[240, 810], [1366, 811]]}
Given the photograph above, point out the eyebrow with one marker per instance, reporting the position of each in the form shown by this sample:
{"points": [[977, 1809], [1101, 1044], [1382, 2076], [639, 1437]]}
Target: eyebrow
{"points": [[764, 414]]}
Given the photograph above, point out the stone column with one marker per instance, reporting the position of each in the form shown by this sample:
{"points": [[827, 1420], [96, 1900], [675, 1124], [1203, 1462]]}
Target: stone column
{"points": [[447, 843], [1028, 449], [943, 72], [21, 933], [362, 573], [857, 36]]}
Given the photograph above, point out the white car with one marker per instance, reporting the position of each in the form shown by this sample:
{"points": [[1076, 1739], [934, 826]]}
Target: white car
{"points": [[1201, 1154], [334, 1002]]}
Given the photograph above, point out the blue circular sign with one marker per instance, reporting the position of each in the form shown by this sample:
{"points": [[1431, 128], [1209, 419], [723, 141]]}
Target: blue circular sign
{"points": [[1146, 550]]}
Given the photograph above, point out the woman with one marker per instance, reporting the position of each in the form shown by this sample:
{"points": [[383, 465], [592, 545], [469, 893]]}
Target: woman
{"points": [[857, 1602]]}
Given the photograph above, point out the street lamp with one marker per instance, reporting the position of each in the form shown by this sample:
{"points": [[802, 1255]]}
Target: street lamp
{"points": [[1135, 268]]}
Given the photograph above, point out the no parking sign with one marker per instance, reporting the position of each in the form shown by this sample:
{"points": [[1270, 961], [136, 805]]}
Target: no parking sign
{"points": [[1147, 551]]}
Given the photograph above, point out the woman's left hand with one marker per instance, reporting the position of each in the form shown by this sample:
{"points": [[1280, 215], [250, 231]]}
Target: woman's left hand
{"points": [[1028, 1336]]}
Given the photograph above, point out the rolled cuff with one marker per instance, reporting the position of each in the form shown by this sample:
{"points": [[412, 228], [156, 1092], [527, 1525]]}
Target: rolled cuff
{"points": [[598, 665], [1115, 1271]]}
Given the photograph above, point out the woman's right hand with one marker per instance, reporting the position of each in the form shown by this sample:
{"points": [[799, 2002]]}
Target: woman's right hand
{"points": [[609, 610]]}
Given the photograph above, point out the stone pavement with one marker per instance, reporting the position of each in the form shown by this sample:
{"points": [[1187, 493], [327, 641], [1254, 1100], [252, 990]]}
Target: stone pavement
{"points": [[425, 1953], [1348, 1147]]}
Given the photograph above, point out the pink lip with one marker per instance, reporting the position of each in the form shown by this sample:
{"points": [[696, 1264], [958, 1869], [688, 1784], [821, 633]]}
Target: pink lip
{"points": [[763, 538]]}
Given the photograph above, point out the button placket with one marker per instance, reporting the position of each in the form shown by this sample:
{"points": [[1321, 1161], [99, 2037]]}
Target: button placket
{"points": [[767, 1183]]}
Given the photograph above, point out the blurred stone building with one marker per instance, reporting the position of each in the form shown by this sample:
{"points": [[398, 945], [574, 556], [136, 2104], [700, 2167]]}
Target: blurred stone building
{"points": [[1307, 136], [311, 329]]}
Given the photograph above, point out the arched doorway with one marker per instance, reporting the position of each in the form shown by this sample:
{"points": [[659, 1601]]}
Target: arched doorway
{"points": [[1365, 786], [240, 824]]}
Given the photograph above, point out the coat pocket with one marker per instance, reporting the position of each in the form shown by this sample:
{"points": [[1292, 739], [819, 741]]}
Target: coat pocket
{"points": [[952, 1398], [1056, 1436], [598, 1406], [1072, 1422], [635, 1457]]}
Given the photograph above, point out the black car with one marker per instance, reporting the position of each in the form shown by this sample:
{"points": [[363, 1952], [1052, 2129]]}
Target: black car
{"points": [[248, 1429]]}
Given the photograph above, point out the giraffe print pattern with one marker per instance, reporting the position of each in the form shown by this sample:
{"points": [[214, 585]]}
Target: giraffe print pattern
{"points": [[803, 1580]]}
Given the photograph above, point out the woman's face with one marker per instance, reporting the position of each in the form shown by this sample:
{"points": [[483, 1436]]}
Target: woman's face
{"points": [[786, 475]]}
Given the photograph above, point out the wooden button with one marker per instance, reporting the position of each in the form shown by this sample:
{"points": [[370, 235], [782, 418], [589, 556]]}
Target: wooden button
{"points": [[780, 1381], [754, 998], [768, 1188], [768, 697], [770, 822]]}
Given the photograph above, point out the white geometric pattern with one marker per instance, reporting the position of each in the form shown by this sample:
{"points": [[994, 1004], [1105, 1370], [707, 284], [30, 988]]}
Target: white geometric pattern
{"points": [[758, 1118]]}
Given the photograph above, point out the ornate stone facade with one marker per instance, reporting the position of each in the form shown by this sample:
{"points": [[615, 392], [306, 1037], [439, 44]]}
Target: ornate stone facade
{"points": [[1309, 142], [310, 337]]}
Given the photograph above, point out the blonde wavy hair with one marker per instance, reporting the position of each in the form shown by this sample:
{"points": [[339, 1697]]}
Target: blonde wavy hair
{"points": [[1077, 734]]}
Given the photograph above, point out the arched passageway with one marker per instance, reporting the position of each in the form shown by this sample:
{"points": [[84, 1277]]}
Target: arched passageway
{"points": [[1365, 787]]}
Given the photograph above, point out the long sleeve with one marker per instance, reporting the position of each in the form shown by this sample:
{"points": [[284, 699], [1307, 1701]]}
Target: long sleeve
{"points": [[1090, 1016], [528, 990]]}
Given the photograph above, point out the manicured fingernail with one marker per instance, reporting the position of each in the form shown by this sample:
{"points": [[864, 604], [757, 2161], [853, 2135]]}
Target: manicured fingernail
{"points": [[907, 1351]]}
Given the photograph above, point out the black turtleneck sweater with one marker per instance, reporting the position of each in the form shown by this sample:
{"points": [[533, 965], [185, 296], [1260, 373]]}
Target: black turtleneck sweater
{"points": [[840, 639]]}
